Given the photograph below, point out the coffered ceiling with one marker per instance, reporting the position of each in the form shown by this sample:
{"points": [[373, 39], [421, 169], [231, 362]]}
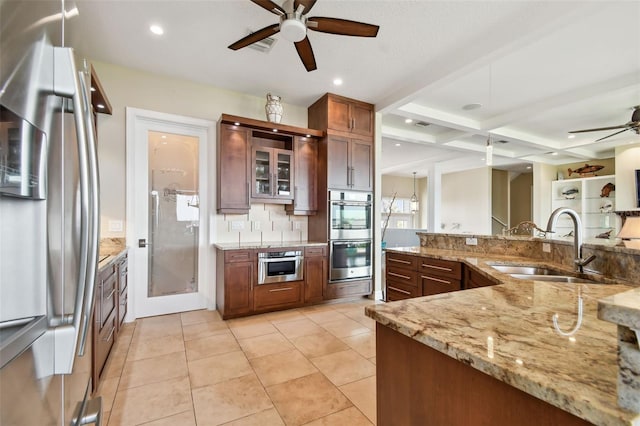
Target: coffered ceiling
{"points": [[537, 68]]}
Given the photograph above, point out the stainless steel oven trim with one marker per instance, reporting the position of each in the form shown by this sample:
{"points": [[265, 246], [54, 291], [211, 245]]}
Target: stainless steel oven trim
{"points": [[262, 269]]}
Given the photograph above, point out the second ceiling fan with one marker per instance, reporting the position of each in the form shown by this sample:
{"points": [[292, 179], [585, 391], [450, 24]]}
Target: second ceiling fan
{"points": [[294, 23]]}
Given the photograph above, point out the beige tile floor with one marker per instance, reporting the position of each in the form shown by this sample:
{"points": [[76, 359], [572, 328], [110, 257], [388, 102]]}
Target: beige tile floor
{"points": [[307, 366]]}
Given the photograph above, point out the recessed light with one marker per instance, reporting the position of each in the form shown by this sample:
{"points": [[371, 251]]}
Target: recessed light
{"points": [[469, 107], [554, 153], [156, 29], [408, 121], [337, 82], [100, 106], [93, 89], [571, 136], [236, 123], [275, 130], [308, 136], [398, 144]]}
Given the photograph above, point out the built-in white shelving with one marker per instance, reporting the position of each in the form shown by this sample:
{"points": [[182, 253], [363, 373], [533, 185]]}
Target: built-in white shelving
{"points": [[587, 197]]}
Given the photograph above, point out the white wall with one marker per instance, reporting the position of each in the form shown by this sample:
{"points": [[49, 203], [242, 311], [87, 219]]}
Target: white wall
{"points": [[627, 162], [543, 175], [466, 199], [127, 87]]}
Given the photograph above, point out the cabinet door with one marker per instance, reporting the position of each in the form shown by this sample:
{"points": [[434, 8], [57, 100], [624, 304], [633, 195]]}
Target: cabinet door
{"points": [[238, 289], [305, 176], [283, 174], [315, 273], [338, 169], [262, 173], [361, 165], [233, 169], [339, 115], [362, 119]]}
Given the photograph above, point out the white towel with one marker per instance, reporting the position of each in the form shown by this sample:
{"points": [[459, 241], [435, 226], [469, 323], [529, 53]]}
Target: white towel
{"points": [[185, 212]]}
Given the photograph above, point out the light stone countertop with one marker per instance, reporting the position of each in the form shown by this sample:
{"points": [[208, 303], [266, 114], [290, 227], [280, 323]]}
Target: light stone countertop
{"points": [[266, 245], [110, 250], [622, 308], [507, 332]]}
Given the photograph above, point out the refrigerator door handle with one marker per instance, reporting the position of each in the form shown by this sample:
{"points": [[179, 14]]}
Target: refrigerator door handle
{"points": [[91, 413], [68, 83]]}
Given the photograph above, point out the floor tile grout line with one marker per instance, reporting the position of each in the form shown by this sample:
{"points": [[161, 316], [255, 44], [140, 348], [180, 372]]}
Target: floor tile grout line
{"points": [[186, 361]]}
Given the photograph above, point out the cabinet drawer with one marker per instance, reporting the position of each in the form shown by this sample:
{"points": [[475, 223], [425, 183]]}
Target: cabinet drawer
{"points": [[238, 256], [103, 343], [277, 295], [440, 268], [436, 285], [398, 260], [348, 289], [403, 276], [397, 291], [315, 251], [107, 299]]}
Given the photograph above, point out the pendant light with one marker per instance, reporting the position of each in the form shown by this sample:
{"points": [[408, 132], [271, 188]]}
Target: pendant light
{"points": [[414, 198], [489, 153]]}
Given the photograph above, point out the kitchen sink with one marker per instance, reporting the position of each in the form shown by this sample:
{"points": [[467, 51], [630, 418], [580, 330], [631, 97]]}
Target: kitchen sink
{"points": [[525, 270], [539, 273], [552, 278]]}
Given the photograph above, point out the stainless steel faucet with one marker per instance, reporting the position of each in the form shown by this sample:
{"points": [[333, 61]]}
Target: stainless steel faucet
{"points": [[577, 235]]}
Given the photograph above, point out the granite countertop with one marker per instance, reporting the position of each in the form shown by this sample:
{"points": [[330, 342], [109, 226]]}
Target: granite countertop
{"points": [[266, 245], [110, 250], [507, 332], [622, 308]]}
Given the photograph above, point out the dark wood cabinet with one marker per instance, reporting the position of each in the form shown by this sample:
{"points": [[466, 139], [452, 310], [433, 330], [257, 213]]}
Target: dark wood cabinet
{"points": [[349, 164], [305, 178], [235, 277], [233, 165], [280, 295], [343, 115], [315, 273], [272, 174], [401, 277], [344, 289], [439, 276], [474, 279], [123, 289]]}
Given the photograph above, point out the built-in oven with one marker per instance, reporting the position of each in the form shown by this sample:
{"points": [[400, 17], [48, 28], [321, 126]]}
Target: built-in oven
{"points": [[350, 215], [350, 259], [280, 266]]}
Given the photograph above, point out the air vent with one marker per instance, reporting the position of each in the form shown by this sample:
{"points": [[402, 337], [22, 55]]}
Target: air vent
{"points": [[263, 45], [501, 141], [422, 124]]}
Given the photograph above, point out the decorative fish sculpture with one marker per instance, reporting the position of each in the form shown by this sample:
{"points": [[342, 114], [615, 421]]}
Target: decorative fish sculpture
{"points": [[606, 207], [606, 190], [570, 193], [605, 235], [586, 170]]}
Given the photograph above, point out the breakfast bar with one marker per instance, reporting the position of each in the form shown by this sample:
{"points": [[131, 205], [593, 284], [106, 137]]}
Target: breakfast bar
{"points": [[493, 354]]}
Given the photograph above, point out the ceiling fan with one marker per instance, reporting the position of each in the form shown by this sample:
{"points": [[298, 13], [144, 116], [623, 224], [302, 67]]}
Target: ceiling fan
{"points": [[294, 24], [633, 125]]}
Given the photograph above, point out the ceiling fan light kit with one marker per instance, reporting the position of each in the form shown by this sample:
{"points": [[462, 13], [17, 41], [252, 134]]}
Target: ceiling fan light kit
{"points": [[294, 25]]}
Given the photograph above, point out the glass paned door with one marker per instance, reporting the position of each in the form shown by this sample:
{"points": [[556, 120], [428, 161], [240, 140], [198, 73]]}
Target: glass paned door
{"points": [[174, 214], [284, 174], [262, 173]]}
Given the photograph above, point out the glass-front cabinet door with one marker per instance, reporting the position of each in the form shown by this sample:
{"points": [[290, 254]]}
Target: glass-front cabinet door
{"points": [[272, 173]]}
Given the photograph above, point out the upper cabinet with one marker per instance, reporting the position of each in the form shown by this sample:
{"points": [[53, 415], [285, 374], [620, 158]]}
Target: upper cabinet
{"points": [[258, 161], [346, 117], [349, 163], [99, 99]]}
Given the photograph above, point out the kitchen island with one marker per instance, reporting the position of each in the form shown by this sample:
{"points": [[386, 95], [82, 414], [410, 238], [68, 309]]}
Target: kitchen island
{"points": [[492, 355]]}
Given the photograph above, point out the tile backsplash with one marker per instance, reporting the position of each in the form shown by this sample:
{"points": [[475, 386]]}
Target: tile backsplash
{"points": [[264, 223]]}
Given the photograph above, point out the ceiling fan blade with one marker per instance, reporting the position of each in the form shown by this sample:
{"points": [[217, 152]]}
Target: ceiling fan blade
{"points": [[343, 27], [254, 37], [306, 54], [613, 134], [600, 128], [270, 6], [308, 4]]}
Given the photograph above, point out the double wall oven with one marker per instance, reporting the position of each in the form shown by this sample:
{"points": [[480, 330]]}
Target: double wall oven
{"points": [[350, 235]]}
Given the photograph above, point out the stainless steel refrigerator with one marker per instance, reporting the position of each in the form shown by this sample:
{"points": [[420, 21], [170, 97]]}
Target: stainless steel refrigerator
{"points": [[49, 220]]}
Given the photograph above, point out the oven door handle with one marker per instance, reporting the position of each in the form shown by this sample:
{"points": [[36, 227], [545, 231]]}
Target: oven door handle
{"points": [[351, 203]]}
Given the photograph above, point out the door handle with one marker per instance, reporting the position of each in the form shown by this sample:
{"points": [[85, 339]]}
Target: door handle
{"points": [[142, 243]]}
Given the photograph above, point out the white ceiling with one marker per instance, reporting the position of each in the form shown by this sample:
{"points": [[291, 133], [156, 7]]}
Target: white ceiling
{"points": [[539, 69]]}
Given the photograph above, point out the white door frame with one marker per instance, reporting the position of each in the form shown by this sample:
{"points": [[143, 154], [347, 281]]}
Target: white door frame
{"points": [[138, 123]]}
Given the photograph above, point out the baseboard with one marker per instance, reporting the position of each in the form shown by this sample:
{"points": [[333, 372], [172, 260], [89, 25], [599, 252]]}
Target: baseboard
{"points": [[377, 295]]}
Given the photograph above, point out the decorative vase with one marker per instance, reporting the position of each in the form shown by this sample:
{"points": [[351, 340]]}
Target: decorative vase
{"points": [[273, 108]]}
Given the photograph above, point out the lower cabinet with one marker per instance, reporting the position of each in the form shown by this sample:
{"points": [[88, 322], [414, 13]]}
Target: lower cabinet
{"points": [[315, 273], [110, 308], [474, 279], [238, 293], [280, 295], [439, 276]]}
